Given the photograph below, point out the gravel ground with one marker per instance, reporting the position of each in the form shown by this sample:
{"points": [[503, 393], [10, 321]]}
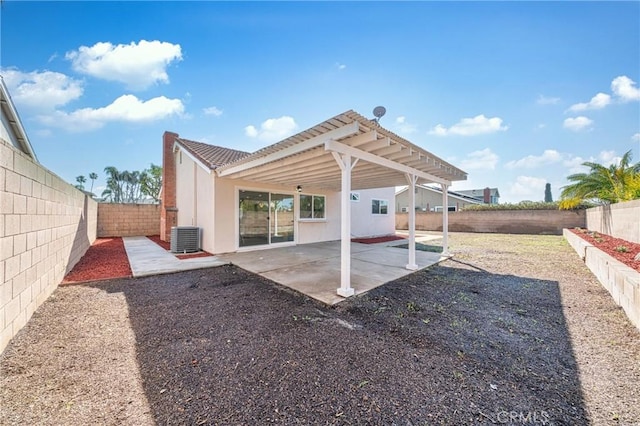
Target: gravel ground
{"points": [[513, 330]]}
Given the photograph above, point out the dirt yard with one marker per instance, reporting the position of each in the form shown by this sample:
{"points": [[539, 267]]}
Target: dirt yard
{"points": [[513, 330]]}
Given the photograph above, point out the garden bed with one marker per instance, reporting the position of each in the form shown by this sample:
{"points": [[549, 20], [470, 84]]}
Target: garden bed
{"points": [[621, 250], [105, 259]]}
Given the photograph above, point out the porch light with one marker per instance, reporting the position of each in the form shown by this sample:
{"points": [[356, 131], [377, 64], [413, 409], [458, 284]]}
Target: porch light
{"points": [[299, 188]]}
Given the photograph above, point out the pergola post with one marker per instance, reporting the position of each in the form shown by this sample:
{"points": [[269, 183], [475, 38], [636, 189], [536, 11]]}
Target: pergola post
{"points": [[445, 219], [412, 179], [346, 165]]}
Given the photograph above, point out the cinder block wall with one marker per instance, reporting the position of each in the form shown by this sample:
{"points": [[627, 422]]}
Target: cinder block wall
{"points": [[46, 226], [128, 220], [498, 221], [620, 220]]}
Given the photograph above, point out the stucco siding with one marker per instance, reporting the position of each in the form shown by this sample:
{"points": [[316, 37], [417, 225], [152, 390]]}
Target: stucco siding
{"points": [[366, 224]]}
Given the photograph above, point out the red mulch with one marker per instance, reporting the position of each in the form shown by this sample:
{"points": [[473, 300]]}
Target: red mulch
{"points": [[167, 246], [156, 239], [375, 240], [608, 244], [192, 255], [105, 259]]}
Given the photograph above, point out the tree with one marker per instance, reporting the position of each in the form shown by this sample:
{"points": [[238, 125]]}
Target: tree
{"points": [[81, 181], [151, 182], [548, 198], [132, 186], [603, 185], [122, 187], [93, 176]]}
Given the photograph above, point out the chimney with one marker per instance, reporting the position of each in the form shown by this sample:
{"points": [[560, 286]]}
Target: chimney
{"points": [[168, 208], [487, 196]]}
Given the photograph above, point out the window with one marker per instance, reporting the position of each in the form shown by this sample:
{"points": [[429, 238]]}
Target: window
{"points": [[404, 209], [312, 207], [379, 206], [355, 197], [449, 208]]}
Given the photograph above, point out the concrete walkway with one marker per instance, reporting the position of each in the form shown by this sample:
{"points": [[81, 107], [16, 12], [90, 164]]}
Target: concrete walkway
{"points": [[148, 258], [311, 269]]}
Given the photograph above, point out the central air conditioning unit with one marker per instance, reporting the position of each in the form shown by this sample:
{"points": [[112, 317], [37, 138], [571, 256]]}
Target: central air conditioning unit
{"points": [[185, 239]]}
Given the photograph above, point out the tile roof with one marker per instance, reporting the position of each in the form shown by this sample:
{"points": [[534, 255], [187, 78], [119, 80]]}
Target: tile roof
{"points": [[211, 155]]}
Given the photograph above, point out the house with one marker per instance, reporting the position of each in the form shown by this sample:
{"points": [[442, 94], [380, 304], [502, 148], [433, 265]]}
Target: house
{"points": [[301, 190], [486, 195], [429, 199], [12, 129]]}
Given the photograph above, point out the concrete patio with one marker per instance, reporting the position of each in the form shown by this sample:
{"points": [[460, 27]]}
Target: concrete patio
{"points": [[311, 269]]}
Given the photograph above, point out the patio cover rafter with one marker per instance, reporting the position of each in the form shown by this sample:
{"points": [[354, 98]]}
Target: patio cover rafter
{"points": [[341, 148]]}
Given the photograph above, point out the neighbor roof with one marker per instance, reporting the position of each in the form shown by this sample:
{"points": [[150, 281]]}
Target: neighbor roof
{"points": [[211, 155], [453, 194], [9, 110]]}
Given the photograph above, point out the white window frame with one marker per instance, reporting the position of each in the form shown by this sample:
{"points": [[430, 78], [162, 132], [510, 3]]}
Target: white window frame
{"points": [[312, 218], [451, 208], [380, 201]]}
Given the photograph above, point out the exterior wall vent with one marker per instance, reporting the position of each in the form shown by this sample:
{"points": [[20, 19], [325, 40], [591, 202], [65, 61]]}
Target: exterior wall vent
{"points": [[185, 239]]}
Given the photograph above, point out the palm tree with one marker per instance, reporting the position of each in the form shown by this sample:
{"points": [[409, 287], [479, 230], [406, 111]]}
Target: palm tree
{"points": [[93, 176], [603, 185], [81, 181]]}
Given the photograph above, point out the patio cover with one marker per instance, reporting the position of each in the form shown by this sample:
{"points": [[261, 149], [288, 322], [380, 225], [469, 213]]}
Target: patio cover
{"points": [[344, 153]]}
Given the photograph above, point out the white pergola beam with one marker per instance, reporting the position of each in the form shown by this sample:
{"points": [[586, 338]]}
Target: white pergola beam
{"points": [[411, 180], [338, 133], [346, 165], [445, 220], [334, 146]]}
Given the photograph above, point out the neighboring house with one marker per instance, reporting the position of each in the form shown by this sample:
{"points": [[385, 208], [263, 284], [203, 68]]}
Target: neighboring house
{"points": [[486, 195], [12, 130], [429, 199], [304, 189]]}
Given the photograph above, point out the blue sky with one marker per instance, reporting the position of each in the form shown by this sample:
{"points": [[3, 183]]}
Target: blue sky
{"points": [[515, 93]]}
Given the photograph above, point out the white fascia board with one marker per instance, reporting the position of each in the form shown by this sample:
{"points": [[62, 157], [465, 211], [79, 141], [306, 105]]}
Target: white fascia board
{"points": [[332, 145], [15, 122], [338, 133], [193, 157]]}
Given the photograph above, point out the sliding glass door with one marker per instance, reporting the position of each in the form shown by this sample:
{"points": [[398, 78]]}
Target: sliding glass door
{"points": [[265, 218]]}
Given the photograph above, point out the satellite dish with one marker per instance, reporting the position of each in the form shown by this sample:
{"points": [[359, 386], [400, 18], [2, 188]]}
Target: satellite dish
{"points": [[379, 111]]}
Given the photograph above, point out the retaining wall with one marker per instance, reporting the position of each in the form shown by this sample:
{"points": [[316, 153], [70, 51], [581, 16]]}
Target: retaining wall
{"points": [[46, 226], [498, 221], [620, 220], [128, 220], [622, 282]]}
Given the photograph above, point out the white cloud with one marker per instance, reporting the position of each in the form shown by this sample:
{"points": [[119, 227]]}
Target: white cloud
{"points": [[340, 66], [577, 124], [575, 164], [544, 100], [480, 160], [528, 187], [608, 158], [126, 108], [404, 126], [625, 89], [41, 89], [212, 110], [636, 137], [599, 101], [532, 161], [273, 129], [137, 65], [477, 125]]}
